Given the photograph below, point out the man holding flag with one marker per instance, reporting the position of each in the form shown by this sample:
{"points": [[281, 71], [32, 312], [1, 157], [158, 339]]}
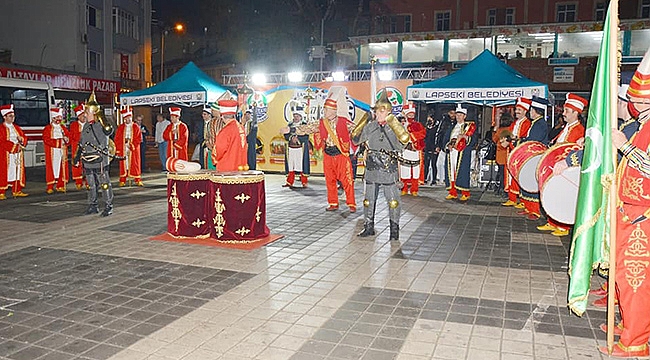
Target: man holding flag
{"points": [[599, 205], [632, 225]]}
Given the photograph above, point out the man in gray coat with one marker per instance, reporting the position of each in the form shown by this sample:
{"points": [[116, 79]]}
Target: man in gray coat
{"points": [[385, 138], [94, 156]]}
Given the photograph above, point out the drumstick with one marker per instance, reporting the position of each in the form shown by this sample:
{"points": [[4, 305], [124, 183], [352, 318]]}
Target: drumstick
{"points": [[569, 180]]}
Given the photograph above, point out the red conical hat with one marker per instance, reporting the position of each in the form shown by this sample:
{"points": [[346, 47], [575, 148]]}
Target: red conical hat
{"points": [[640, 84]]}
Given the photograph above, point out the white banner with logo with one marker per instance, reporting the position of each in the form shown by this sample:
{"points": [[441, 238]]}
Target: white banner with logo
{"points": [[178, 98], [563, 74], [474, 94]]}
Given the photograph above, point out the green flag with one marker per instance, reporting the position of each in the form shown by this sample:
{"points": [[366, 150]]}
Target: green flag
{"points": [[590, 245]]}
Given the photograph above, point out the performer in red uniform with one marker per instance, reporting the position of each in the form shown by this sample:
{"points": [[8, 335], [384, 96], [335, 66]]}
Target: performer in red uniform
{"points": [[128, 138], [333, 137], [56, 139], [573, 132], [75, 136], [12, 164], [230, 146], [176, 135], [410, 174], [519, 130], [633, 222]]}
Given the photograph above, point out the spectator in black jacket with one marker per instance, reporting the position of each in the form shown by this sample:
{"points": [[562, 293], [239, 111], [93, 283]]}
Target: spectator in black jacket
{"points": [[435, 132]]}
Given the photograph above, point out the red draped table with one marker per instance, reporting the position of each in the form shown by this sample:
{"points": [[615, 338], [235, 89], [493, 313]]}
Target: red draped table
{"points": [[227, 207]]}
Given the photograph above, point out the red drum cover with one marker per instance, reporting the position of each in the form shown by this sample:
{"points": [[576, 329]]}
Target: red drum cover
{"points": [[522, 164], [559, 193], [551, 157]]}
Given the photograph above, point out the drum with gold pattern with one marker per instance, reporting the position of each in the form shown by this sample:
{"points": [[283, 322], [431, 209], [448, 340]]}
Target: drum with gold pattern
{"points": [[228, 207], [522, 164], [559, 193]]}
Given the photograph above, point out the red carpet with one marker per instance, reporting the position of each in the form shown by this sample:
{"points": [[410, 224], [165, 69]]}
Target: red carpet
{"points": [[241, 245]]}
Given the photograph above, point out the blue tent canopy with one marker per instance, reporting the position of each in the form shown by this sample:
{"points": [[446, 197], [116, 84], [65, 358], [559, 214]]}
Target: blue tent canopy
{"points": [[188, 87], [484, 80]]}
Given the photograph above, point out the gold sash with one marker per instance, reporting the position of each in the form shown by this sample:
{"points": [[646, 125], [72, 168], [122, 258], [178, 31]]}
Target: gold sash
{"points": [[332, 135]]}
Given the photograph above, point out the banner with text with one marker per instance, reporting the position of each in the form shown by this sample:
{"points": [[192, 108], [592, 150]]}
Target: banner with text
{"points": [[193, 98], [474, 94], [63, 81]]}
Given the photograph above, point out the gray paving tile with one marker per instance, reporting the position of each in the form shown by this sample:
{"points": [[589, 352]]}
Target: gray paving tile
{"points": [[347, 352], [91, 301], [28, 353]]}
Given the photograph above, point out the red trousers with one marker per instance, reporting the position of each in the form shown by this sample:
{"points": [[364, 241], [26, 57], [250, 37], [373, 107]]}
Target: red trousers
{"points": [[454, 192], [136, 179], [338, 168], [532, 207], [632, 277], [291, 177], [512, 187], [15, 187], [60, 184], [559, 225], [413, 184]]}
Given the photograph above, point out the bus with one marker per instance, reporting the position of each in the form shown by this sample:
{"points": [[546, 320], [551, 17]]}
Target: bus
{"points": [[32, 103]]}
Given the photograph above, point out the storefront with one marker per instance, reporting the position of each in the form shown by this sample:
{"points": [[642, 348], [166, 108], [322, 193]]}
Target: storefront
{"points": [[70, 90]]}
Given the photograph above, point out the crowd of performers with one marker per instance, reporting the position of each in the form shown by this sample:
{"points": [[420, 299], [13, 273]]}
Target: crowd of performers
{"points": [[388, 144], [394, 151], [86, 148]]}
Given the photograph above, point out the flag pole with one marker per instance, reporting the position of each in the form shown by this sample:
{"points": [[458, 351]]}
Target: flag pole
{"points": [[613, 55]]}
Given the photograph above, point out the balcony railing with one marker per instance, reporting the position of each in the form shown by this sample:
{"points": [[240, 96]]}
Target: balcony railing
{"points": [[421, 74]]}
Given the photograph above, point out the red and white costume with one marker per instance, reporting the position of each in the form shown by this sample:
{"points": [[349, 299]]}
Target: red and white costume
{"points": [[519, 129], [230, 148], [76, 128], [570, 134], [128, 138], [12, 165], [633, 225], [56, 138], [176, 135], [333, 137], [410, 175]]}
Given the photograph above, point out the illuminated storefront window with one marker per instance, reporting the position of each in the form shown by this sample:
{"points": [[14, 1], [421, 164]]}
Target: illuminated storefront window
{"points": [[580, 44], [467, 49], [639, 44], [423, 51], [386, 52]]}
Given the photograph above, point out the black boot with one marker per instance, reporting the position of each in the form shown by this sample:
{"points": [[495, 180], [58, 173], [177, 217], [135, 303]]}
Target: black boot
{"points": [[92, 209], [368, 230], [107, 211], [394, 231]]}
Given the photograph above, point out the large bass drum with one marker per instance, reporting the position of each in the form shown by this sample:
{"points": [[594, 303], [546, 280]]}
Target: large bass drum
{"points": [[559, 193], [522, 164]]}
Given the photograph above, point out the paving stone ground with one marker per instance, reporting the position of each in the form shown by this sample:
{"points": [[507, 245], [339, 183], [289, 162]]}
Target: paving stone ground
{"points": [[465, 281]]}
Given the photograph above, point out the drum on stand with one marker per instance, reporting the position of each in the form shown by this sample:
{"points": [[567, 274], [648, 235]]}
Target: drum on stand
{"points": [[559, 193], [522, 164]]}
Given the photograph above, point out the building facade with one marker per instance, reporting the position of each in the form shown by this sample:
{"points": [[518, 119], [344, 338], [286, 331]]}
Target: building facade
{"points": [[98, 39], [551, 41]]}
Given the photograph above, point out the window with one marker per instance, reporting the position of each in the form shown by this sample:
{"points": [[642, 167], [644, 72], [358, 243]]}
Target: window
{"points": [[645, 9], [510, 16], [407, 23], [393, 24], [93, 17], [30, 105], [600, 11], [566, 13], [491, 17], [125, 23], [442, 20], [94, 60]]}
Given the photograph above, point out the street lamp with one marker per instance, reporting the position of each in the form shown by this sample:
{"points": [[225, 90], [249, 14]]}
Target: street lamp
{"points": [[178, 28]]}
